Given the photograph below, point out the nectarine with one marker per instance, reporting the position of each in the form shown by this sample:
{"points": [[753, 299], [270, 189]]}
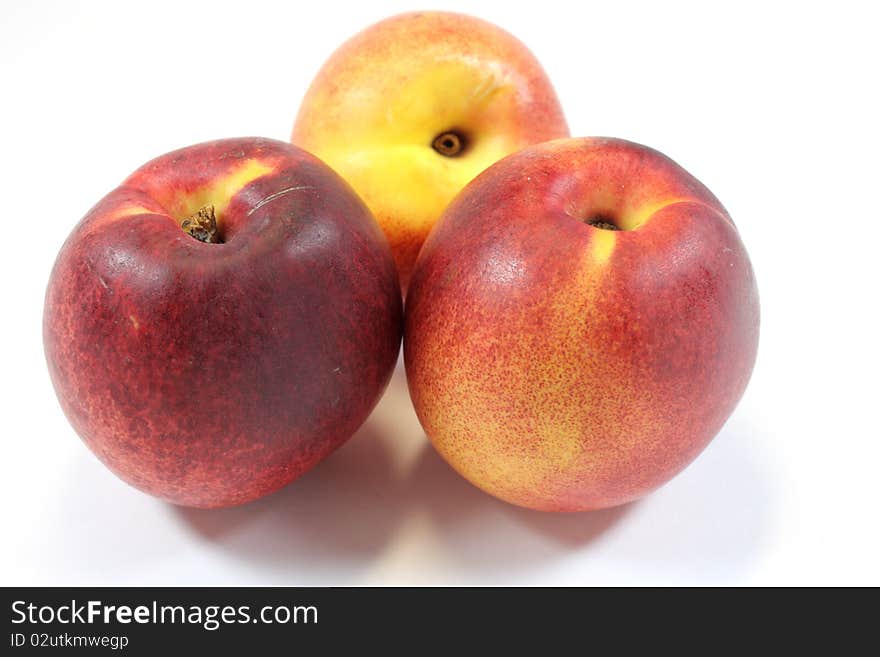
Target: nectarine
{"points": [[412, 108], [222, 321], [579, 325]]}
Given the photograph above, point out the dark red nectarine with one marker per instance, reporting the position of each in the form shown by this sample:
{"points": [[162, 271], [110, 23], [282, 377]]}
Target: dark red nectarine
{"points": [[222, 321]]}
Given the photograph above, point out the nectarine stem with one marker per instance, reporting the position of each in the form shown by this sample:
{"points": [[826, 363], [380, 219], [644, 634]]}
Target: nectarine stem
{"points": [[602, 222], [202, 225], [448, 143]]}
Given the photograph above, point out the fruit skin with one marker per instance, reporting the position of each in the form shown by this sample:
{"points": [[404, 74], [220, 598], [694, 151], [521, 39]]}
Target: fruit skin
{"points": [[377, 104], [212, 374], [563, 367]]}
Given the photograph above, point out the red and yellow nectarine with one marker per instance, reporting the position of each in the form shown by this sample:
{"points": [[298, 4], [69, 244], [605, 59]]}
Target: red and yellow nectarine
{"points": [[412, 108], [579, 325]]}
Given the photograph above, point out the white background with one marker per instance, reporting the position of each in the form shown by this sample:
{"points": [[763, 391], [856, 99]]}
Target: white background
{"points": [[773, 106]]}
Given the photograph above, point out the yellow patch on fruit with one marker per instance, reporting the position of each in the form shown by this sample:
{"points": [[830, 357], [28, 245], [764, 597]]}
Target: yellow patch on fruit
{"points": [[388, 158], [131, 211], [603, 242], [512, 429], [386, 152], [638, 216], [448, 95], [219, 193]]}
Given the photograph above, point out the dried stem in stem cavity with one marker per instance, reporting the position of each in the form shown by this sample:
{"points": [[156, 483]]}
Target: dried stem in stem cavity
{"points": [[449, 144], [202, 225], [602, 222]]}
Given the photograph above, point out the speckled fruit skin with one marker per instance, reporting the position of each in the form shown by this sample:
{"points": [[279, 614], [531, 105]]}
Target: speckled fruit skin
{"points": [[212, 374], [377, 104], [564, 367]]}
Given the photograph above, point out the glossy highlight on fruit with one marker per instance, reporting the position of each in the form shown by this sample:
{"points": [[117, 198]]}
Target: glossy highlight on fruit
{"points": [[222, 321], [579, 325]]}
